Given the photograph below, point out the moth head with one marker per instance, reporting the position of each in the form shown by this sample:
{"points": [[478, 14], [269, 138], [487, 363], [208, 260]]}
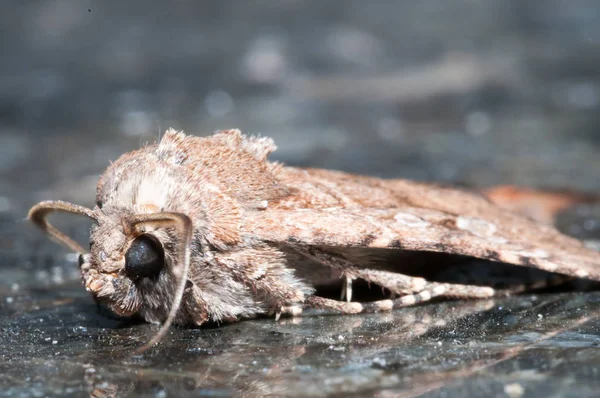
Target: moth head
{"points": [[121, 247], [128, 256], [126, 263]]}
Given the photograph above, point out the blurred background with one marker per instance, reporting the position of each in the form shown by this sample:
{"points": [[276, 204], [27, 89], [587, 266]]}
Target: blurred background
{"points": [[474, 92], [471, 92]]}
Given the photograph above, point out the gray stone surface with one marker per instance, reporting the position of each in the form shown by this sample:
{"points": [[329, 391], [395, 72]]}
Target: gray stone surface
{"points": [[471, 92]]}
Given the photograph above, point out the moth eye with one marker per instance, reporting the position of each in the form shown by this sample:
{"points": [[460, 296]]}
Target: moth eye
{"points": [[145, 258]]}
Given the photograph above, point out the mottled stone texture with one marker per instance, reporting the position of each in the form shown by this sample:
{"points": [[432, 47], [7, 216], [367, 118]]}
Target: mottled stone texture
{"points": [[477, 93]]}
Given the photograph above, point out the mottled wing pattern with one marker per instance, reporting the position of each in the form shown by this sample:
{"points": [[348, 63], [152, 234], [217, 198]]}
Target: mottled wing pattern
{"points": [[333, 209]]}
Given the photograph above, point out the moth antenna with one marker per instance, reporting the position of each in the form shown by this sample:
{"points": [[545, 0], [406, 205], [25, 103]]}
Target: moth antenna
{"points": [[184, 227], [38, 213]]}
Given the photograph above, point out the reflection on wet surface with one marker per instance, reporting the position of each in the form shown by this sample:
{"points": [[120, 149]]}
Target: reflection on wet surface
{"points": [[58, 342]]}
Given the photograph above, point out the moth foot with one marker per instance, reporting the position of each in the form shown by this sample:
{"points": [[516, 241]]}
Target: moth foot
{"points": [[292, 310]]}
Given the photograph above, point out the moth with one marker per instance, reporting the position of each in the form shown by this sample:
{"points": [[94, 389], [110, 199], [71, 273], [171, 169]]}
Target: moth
{"points": [[196, 229]]}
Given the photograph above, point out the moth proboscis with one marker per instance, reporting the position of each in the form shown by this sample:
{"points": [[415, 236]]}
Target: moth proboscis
{"points": [[196, 229]]}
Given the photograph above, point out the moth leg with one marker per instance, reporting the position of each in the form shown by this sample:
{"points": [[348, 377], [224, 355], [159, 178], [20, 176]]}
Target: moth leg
{"points": [[409, 288], [346, 288], [398, 284], [346, 307], [433, 289], [370, 306], [430, 291], [412, 290], [437, 290], [404, 285]]}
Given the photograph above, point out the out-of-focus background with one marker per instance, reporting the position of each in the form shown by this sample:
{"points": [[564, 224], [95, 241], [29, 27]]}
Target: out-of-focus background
{"points": [[477, 93]]}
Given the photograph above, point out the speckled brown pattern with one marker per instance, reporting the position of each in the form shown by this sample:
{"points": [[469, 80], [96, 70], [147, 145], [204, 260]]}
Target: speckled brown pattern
{"points": [[246, 215]]}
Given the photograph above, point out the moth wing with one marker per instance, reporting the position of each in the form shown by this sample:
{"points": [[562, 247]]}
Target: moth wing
{"points": [[417, 229], [379, 214]]}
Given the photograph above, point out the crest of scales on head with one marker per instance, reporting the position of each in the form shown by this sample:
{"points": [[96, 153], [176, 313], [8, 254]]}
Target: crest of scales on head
{"points": [[194, 229]]}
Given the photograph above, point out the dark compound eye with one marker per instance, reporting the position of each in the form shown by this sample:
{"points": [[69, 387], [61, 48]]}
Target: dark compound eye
{"points": [[144, 259]]}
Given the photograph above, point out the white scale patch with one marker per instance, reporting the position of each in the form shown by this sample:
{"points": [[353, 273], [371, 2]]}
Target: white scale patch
{"points": [[497, 239], [536, 253], [410, 220], [385, 305], [439, 290], [425, 295], [582, 273], [145, 191], [153, 191], [476, 226]]}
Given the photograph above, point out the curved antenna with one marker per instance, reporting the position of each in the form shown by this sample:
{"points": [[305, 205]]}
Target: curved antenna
{"points": [[38, 213], [183, 226]]}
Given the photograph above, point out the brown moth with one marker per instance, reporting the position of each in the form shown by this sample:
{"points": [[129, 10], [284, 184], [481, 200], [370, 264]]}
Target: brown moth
{"points": [[197, 229]]}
